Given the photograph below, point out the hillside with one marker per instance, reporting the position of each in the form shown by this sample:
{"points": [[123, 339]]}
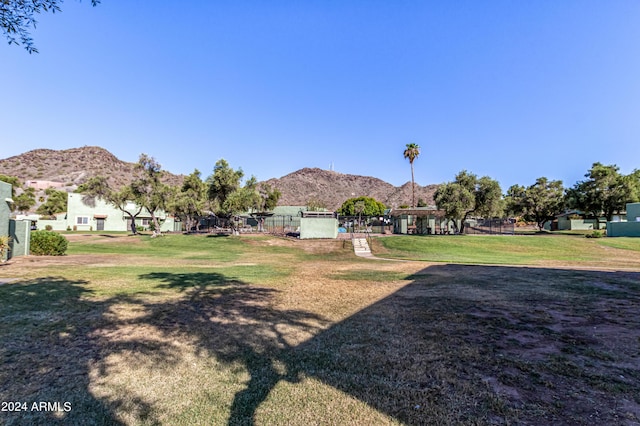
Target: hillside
{"points": [[334, 188], [74, 166]]}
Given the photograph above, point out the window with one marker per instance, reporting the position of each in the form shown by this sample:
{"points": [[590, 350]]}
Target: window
{"points": [[146, 222], [82, 220]]}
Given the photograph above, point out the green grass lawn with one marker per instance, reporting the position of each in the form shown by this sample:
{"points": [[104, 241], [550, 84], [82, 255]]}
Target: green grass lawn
{"points": [[514, 250], [184, 330]]}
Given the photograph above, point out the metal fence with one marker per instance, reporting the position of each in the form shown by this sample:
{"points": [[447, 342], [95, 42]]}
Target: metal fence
{"points": [[281, 224], [364, 224], [490, 227]]}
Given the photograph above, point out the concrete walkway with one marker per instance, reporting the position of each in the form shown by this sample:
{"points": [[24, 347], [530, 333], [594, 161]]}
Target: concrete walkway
{"points": [[361, 249]]}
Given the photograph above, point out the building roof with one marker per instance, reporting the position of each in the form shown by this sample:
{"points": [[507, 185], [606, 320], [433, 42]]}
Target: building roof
{"points": [[417, 211]]}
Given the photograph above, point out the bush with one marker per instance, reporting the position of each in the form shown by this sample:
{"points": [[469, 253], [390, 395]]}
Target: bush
{"points": [[49, 228], [48, 243], [5, 246], [595, 234]]}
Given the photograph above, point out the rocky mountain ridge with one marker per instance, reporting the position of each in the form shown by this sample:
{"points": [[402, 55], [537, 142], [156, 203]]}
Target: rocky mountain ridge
{"points": [[72, 167]]}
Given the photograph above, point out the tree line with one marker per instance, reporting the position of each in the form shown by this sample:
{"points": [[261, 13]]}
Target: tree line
{"points": [[603, 193], [222, 194]]}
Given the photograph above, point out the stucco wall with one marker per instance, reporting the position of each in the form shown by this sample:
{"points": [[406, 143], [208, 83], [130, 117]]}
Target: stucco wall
{"points": [[631, 228], [633, 211], [576, 224], [20, 231], [623, 229], [325, 227]]}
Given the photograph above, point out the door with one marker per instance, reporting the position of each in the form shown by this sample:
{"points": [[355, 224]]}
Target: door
{"points": [[100, 224]]}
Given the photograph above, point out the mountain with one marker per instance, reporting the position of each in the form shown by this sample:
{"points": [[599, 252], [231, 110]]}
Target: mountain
{"points": [[334, 188], [74, 166], [71, 167]]}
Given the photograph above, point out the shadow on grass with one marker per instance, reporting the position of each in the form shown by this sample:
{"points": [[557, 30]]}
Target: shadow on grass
{"points": [[458, 345], [491, 345], [236, 323], [47, 349]]}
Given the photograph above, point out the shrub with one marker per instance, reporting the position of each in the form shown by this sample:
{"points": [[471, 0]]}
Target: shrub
{"points": [[49, 228], [5, 246], [48, 243], [595, 234], [68, 228]]}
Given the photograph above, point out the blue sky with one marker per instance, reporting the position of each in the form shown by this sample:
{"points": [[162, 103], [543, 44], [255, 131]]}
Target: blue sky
{"points": [[511, 89]]}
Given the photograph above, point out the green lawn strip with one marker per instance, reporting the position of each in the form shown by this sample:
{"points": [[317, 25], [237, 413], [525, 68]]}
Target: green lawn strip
{"points": [[517, 250], [130, 280], [172, 246], [369, 275], [623, 243]]}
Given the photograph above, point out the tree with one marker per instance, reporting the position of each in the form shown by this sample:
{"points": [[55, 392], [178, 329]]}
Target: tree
{"points": [[468, 195], [315, 204], [18, 16], [189, 201], [56, 203], [412, 152], [540, 202], [98, 187], [605, 191], [229, 199], [269, 197], [222, 183], [149, 191], [25, 201], [366, 206], [5, 246]]}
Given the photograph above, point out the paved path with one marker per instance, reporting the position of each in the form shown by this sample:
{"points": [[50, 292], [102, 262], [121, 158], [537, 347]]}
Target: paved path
{"points": [[361, 248]]}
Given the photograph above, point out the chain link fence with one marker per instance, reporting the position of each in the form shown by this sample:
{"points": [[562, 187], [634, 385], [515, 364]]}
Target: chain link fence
{"points": [[490, 227]]}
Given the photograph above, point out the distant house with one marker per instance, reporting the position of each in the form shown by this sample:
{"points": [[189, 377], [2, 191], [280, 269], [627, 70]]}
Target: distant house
{"points": [[574, 220], [84, 214], [43, 184], [628, 228]]}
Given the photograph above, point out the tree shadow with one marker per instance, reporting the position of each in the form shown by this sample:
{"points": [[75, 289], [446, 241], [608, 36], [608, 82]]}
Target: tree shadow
{"points": [[457, 345], [47, 349], [491, 345], [498, 344], [236, 323]]}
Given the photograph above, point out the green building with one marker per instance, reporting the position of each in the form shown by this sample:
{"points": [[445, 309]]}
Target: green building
{"points": [[86, 214], [18, 230], [628, 228], [421, 220]]}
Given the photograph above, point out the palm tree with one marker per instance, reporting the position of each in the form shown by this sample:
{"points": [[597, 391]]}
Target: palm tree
{"points": [[412, 152]]}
